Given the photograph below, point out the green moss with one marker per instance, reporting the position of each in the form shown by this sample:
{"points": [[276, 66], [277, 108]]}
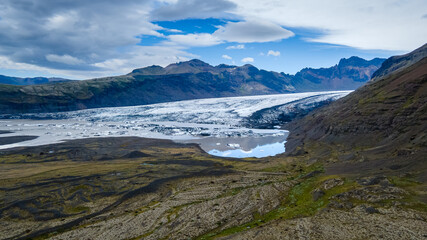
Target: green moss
{"points": [[79, 187], [415, 189], [299, 203], [418, 205], [403, 181], [175, 210], [378, 98], [15, 158], [76, 209], [145, 208], [408, 103]]}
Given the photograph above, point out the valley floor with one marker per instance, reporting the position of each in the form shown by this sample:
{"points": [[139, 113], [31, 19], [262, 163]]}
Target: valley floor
{"points": [[138, 188]]}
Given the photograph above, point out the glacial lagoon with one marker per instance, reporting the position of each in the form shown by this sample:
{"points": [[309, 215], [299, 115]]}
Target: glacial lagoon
{"points": [[268, 144]]}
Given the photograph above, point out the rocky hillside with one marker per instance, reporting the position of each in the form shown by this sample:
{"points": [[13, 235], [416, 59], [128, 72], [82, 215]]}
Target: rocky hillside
{"points": [[380, 127], [186, 80]]}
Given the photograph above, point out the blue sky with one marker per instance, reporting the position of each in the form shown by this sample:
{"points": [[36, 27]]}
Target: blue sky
{"points": [[295, 52], [81, 39]]}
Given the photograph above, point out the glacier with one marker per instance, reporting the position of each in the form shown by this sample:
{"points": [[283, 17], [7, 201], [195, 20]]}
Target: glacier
{"points": [[211, 122]]}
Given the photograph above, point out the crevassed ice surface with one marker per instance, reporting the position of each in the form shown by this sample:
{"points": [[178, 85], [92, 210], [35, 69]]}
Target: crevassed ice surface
{"points": [[180, 121]]}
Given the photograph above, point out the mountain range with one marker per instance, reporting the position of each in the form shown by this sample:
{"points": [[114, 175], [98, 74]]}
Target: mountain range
{"points": [[193, 79], [349, 74], [30, 81]]}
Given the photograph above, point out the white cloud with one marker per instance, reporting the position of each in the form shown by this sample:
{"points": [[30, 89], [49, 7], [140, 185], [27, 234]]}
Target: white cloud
{"points": [[66, 59], [72, 35], [137, 57], [201, 9], [252, 31], [31, 69], [273, 53], [225, 56], [241, 32], [141, 56], [239, 46], [194, 40], [364, 24], [174, 30], [248, 60]]}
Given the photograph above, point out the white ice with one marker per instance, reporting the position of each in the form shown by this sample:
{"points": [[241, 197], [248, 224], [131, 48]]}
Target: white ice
{"points": [[182, 120]]}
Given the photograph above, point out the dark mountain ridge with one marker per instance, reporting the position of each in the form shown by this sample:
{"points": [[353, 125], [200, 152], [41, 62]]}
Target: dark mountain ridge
{"points": [[397, 63], [348, 74], [189, 80], [29, 81], [180, 81]]}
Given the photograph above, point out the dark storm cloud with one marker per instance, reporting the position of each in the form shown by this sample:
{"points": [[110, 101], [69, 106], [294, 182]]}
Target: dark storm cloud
{"points": [[70, 34], [200, 9]]}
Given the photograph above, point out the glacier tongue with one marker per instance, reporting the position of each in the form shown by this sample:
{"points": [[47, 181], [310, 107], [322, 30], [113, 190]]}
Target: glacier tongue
{"points": [[179, 121]]}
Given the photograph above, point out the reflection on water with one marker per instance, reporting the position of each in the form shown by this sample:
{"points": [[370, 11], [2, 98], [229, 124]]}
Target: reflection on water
{"points": [[259, 151], [241, 147]]}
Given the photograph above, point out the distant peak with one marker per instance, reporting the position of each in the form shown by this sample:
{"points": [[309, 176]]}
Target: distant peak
{"points": [[195, 62], [150, 70], [353, 60], [150, 67], [225, 66], [192, 66], [154, 67], [357, 61], [249, 66]]}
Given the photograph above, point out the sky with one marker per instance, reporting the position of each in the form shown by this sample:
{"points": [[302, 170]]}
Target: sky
{"points": [[80, 39]]}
